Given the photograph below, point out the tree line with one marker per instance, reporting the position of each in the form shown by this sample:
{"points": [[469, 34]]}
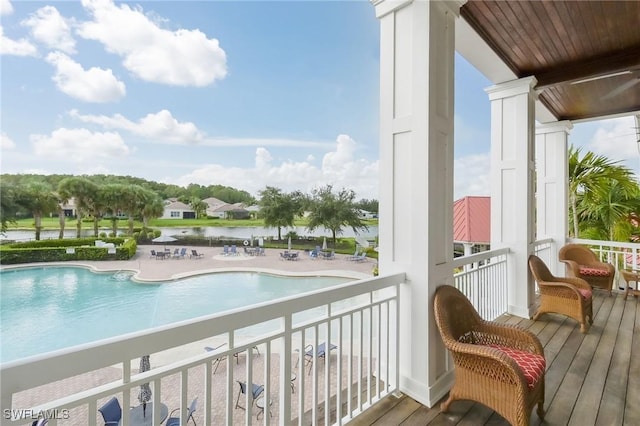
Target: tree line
{"points": [[104, 196]]}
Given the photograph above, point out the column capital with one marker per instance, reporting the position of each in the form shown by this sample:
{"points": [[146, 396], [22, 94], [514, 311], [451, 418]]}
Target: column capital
{"points": [[384, 7], [554, 127], [512, 88]]}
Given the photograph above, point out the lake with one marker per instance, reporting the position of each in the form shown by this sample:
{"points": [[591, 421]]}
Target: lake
{"points": [[204, 231]]}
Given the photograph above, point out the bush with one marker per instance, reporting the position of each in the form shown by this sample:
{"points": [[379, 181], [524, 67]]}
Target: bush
{"points": [[65, 250]]}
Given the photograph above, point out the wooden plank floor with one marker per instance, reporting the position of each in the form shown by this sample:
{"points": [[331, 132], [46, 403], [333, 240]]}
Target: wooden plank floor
{"points": [[591, 379]]}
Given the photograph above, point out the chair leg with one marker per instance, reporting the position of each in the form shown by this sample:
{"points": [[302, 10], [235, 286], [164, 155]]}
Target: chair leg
{"points": [[444, 407], [238, 400]]}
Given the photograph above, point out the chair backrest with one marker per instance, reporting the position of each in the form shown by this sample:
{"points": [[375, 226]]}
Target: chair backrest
{"points": [[153, 252], [111, 410], [578, 253], [539, 270], [455, 316], [183, 251], [194, 252], [192, 408]]}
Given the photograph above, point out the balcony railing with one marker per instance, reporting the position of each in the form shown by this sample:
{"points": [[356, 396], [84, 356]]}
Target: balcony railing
{"points": [[360, 319], [482, 277]]}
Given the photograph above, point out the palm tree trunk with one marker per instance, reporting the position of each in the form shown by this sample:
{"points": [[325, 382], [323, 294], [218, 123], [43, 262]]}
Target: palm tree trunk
{"points": [[574, 212], [131, 226], [38, 222], [95, 226], [79, 224], [62, 221]]}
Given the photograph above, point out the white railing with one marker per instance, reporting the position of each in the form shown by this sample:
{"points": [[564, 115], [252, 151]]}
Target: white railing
{"points": [[482, 277], [360, 319], [545, 250]]}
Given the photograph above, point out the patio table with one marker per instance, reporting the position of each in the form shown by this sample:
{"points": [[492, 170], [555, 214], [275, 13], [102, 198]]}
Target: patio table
{"points": [[629, 277], [138, 418]]}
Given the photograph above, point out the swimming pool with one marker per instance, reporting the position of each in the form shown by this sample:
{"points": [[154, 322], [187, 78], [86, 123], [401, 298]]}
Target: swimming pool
{"points": [[49, 308]]}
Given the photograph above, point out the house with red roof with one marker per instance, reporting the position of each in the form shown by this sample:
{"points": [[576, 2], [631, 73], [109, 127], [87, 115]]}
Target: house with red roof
{"points": [[471, 225]]}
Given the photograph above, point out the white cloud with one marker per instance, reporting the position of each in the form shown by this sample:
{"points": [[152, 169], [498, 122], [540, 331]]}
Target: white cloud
{"points": [[6, 142], [471, 175], [181, 57], [161, 126], [79, 145], [617, 140], [339, 169], [51, 29], [5, 7], [22, 47], [92, 85]]}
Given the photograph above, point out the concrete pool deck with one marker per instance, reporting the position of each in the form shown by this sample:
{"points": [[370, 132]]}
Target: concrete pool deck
{"points": [[147, 268]]}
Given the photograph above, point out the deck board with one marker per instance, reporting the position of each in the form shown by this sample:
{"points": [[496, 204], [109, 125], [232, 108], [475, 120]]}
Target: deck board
{"points": [[591, 378]]}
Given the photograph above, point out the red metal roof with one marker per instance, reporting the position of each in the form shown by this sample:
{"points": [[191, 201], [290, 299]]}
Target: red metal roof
{"points": [[472, 220]]}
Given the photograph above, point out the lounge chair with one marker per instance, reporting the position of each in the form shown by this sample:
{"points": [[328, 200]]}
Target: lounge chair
{"points": [[217, 361], [195, 254], [111, 412], [175, 421], [183, 253], [354, 256], [225, 250], [234, 250], [256, 390], [176, 253], [320, 353], [362, 257]]}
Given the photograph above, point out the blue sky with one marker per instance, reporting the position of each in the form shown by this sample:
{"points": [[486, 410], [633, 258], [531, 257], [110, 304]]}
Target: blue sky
{"points": [[241, 93]]}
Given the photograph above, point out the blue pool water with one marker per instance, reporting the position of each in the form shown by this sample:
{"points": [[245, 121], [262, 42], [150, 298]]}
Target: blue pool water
{"points": [[43, 309]]}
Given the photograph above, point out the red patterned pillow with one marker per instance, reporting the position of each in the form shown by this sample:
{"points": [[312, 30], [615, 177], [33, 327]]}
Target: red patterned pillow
{"points": [[594, 272], [532, 365]]}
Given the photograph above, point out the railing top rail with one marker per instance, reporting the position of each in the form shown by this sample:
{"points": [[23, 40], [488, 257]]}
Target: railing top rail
{"points": [[80, 359], [483, 255], [632, 246], [544, 241]]}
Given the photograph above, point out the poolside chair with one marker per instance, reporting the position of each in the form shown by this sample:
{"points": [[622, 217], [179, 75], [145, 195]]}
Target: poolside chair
{"points": [[225, 250], [568, 296], [153, 254], [499, 365], [362, 257], [183, 253], [176, 253], [175, 421], [217, 361], [320, 353], [256, 390], [583, 263], [111, 412], [195, 254], [234, 250]]}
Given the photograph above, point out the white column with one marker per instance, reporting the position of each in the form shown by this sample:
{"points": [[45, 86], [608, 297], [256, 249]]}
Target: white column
{"points": [[512, 181], [552, 183], [416, 177]]}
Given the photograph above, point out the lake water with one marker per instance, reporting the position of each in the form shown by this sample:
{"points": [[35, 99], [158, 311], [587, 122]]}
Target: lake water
{"points": [[243, 233]]}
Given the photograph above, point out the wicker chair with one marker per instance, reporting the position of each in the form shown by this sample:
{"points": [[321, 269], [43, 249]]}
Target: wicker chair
{"points": [[583, 263], [569, 296], [498, 365]]}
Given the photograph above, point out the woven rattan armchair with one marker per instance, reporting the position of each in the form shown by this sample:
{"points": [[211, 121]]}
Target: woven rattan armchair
{"points": [[583, 263], [498, 365], [569, 296]]}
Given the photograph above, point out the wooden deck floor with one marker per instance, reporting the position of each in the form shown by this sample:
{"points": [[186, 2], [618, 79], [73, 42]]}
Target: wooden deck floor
{"points": [[591, 379]]}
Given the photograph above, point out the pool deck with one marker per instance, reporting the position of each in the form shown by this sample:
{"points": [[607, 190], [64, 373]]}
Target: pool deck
{"points": [[147, 268]]}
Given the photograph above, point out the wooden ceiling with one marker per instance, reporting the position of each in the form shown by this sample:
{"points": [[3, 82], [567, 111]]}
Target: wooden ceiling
{"points": [[584, 54]]}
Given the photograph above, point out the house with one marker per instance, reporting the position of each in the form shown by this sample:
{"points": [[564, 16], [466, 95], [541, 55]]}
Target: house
{"points": [[230, 211], [471, 225], [178, 210]]}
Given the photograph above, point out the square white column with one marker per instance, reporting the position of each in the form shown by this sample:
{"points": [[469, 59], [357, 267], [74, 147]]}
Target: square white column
{"points": [[417, 47], [512, 185], [552, 183]]}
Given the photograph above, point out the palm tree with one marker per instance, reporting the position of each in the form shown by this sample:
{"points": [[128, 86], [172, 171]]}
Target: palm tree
{"points": [[589, 173], [39, 199], [608, 211], [279, 209], [82, 190]]}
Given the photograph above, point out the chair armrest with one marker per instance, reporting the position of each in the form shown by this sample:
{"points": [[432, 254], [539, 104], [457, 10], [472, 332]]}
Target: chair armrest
{"points": [[576, 282], [572, 267], [477, 358], [495, 333]]}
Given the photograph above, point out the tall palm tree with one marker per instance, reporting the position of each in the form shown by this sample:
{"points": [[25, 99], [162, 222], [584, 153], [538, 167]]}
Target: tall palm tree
{"points": [[39, 199], [83, 191], [589, 173]]}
